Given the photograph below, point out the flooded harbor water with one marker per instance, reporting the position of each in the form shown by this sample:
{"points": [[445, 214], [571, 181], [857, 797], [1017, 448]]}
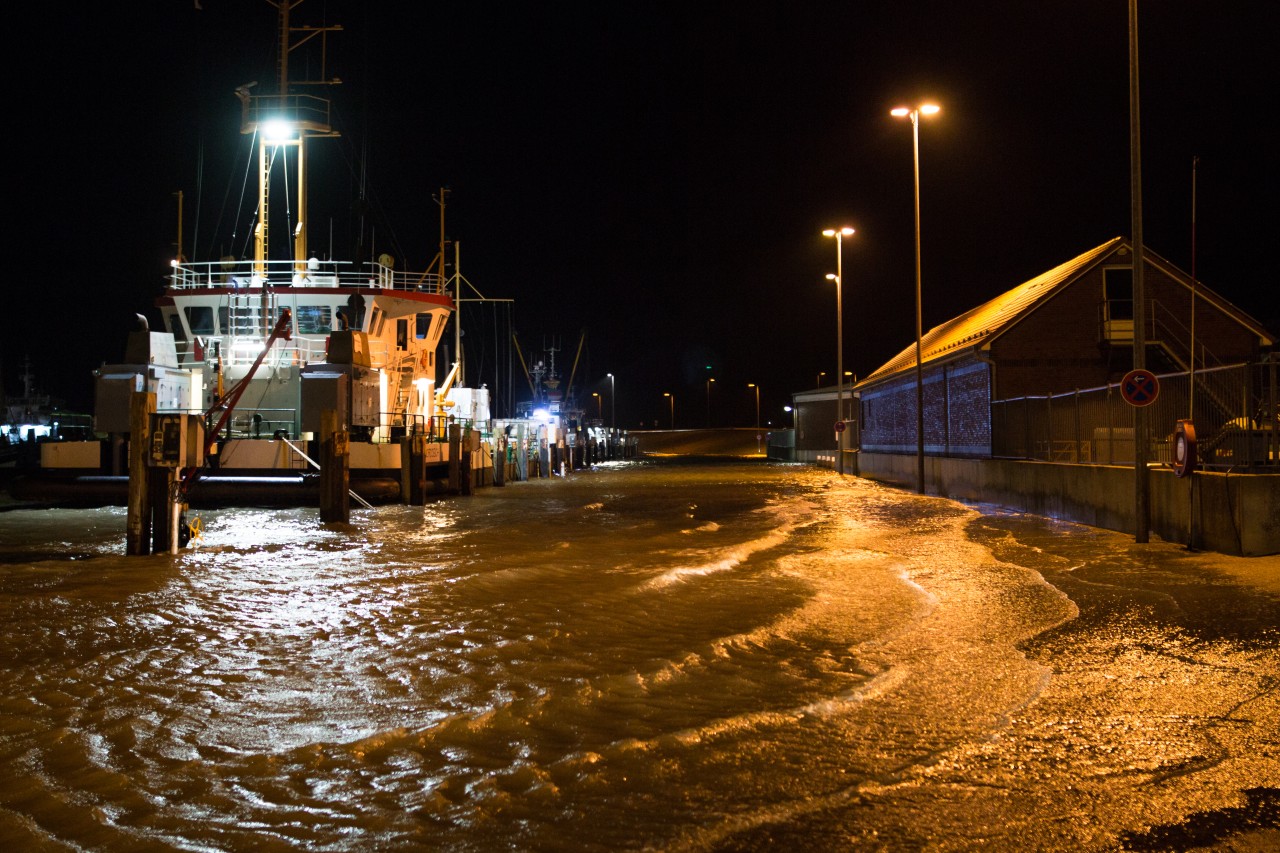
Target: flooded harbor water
{"points": [[734, 656]]}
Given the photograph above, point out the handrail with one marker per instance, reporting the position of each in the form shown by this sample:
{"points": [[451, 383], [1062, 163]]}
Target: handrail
{"points": [[316, 465], [244, 274]]}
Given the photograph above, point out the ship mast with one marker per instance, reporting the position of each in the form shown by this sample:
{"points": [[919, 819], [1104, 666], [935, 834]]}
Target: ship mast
{"points": [[283, 121]]}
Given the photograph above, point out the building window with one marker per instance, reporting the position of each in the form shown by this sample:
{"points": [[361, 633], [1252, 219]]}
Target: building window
{"points": [[1117, 292]]}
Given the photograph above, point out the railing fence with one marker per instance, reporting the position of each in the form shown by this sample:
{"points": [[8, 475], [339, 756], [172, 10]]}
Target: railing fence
{"points": [[1237, 421]]}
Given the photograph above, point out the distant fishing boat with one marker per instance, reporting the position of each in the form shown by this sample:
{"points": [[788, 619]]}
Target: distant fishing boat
{"points": [[31, 417]]}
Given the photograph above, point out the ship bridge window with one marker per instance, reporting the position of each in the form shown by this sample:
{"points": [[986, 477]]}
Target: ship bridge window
{"points": [[402, 334], [175, 326], [200, 319], [423, 327], [314, 319]]}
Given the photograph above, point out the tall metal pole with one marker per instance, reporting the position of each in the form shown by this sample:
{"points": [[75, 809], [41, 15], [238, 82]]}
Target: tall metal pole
{"points": [[1142, 516], [915, 156], [613, 404], [839, 234]]}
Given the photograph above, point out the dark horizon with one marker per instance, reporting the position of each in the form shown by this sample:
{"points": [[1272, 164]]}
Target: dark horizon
{"points": [[659, 178]]}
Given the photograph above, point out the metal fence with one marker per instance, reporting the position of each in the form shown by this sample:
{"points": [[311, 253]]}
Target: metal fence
{"points": [[1236, 416]]}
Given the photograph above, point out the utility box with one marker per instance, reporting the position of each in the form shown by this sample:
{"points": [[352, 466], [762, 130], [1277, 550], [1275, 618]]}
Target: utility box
{"points": [[349, 347], [151, 348], [324, 392], [176, 440], [352, 392], [115, 385]]}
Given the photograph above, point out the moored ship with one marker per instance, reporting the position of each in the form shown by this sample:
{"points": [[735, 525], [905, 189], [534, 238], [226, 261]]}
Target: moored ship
{"points": [[259, 346]]}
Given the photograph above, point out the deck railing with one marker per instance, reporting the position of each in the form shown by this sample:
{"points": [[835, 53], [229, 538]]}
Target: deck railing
{"points": [[237, 274]]}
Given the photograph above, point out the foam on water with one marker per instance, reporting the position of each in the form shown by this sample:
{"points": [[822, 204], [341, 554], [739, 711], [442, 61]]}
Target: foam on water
{"points": [[649, 656]]}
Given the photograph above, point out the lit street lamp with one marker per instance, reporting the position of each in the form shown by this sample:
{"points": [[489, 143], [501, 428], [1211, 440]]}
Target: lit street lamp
{"points": [[914, 114], [709, 381], [673, 407], [839, 234], [820, 375], [599, 405]]}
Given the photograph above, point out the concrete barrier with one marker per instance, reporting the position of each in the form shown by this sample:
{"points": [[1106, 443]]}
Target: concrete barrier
{"points": [[1235, 514]]}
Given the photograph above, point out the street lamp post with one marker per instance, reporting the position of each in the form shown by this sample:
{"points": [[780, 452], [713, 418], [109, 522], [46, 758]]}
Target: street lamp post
{"points": [[757, 387], [709, 381], [914, 114], [820, 375], [599, 405], [673, 407], [613, 404], [839, 234]]}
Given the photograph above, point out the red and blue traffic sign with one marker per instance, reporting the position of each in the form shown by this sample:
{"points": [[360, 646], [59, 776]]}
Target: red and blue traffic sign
{"points": [[1139, 388]]}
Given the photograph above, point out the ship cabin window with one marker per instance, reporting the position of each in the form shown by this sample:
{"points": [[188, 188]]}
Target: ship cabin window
{"points": [[224, 322], [376, 322], [175, 326], [200, 319], [423, 327], [402, 334], [314, 319]]}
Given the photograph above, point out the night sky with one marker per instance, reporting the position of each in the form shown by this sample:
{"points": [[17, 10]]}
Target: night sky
{"points": [[655, 175]]}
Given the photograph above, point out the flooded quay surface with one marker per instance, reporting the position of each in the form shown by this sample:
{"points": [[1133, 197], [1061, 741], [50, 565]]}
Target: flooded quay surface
{"points": [[650, 656]]}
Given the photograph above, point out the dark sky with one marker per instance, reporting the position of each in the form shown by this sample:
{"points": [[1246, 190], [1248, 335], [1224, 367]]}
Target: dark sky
{"points": [[655, 175]]}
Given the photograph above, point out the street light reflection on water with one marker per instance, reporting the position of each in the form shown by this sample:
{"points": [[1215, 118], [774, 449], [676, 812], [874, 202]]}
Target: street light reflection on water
{"points": [[676, 656]]}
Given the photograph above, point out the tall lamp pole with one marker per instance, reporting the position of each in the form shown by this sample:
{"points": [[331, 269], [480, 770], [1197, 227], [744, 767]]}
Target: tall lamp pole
{"points": [[613, 404], [839, 234], [709, 381], [757, 387], [673, 407], [914, 114], [1141, 487]]}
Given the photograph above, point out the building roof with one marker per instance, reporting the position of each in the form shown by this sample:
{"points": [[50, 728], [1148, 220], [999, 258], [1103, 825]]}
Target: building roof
{"points": [[979, 326]]}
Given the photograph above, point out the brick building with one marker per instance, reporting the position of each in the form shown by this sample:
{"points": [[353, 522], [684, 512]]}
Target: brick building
{"points": [[1069, 328]]}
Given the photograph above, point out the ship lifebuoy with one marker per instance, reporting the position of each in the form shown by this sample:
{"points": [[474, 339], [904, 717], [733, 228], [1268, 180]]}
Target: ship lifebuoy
{"points": [[1184, 448]]}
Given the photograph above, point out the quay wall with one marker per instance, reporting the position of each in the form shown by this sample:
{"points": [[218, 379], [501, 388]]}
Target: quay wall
{"points": [[728, 441], [1236, 514]]}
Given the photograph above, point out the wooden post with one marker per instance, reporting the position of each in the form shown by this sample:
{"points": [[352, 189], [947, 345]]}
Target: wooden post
{"points": [[464, 463], [406, 469], [335, 472], [161, 483], [138, 535], [455, 458], [417, 451]]}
